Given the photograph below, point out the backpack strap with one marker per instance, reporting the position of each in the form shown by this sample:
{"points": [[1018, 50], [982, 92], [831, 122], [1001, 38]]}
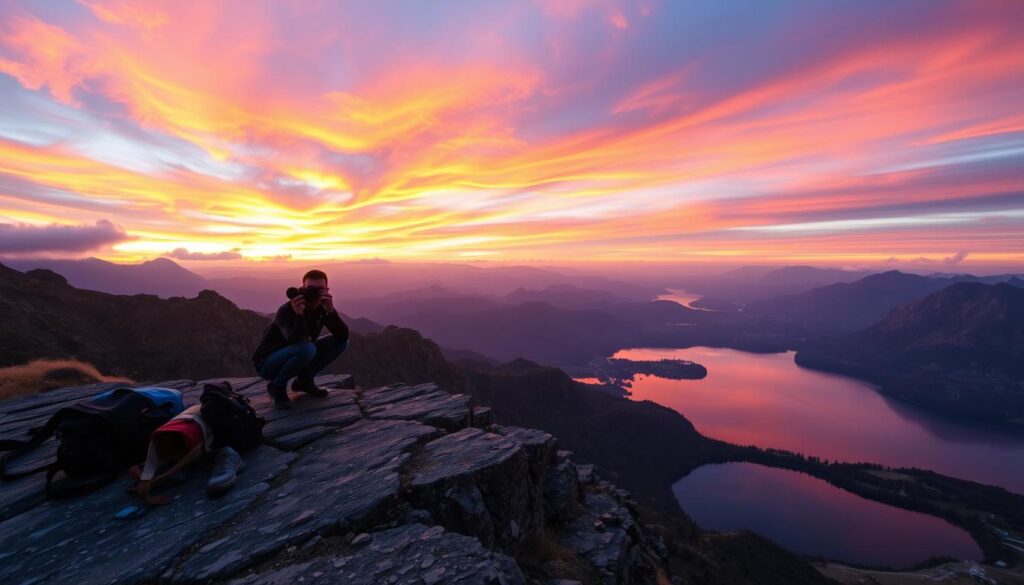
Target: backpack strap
{"points": [[144, 486]]}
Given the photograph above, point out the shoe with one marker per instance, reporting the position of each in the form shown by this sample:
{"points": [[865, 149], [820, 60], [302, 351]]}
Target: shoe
{"points": [[280, 396], [310, 388], [226, 466]]}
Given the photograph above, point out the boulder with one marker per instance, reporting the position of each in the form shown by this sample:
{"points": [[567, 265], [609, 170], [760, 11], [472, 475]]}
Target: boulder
{"points": [[562, 492], [604, 534], [475, 483]]}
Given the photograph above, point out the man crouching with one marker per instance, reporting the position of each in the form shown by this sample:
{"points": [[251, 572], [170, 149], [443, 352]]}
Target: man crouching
{"points": [[288, 348]]}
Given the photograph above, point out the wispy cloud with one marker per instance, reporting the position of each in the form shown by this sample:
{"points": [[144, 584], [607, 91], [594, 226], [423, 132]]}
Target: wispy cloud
{"points": [[184, 254], [577, 128], [17, 239]]}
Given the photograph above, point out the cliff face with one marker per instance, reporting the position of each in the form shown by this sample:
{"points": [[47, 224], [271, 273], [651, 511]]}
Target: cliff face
{"points": [[393, 484]]}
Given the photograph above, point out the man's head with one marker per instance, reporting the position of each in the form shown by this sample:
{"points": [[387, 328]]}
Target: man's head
{"points": [[317, 279]]}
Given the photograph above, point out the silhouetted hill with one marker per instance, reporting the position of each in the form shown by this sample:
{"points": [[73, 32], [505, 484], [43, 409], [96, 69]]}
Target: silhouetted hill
{"points": [[363, 280], [397, 311], [755, 283], [566, 296], [959, 350], [536, 331], [162, 277], [139, 336], [145, 337], [988, 279], [852, 305], [807, 276]]}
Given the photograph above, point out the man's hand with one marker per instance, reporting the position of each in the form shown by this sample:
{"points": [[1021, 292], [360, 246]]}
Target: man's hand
{"points": [[298, 304], [327, 301]]}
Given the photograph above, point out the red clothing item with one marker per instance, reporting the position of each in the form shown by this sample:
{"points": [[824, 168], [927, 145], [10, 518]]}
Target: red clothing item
{"points": [[176, 438]]}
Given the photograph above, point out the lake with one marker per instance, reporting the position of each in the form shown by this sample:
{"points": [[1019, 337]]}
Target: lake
{"points": [[769, 401], [682, 297], [807, 515]]}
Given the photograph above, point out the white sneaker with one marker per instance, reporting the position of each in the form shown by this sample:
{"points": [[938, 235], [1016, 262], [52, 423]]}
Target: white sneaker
{"points": [[226, 465]]}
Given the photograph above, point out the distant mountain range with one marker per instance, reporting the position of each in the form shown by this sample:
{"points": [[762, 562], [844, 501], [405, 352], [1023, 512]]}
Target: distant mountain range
{"points": [[264, 290], [958, 350], [736, 288], [162, 277], [856, 305]]}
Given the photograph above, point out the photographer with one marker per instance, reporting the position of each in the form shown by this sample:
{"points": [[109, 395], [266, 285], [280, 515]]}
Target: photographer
{"points": [[288, 348]]}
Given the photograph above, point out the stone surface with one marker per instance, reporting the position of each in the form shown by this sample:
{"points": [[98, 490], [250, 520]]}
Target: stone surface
{"points": [[378, 485], [482, 417], [605, 534], [540, 451], [309, 417], [475, 483], [586, 474], [423, 402], [412, 553], [81, 540], [562, 492], [342, 482]]}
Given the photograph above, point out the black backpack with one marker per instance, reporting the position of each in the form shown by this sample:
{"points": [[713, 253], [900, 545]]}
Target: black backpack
{"points": [[98, 439], [230, 417]]}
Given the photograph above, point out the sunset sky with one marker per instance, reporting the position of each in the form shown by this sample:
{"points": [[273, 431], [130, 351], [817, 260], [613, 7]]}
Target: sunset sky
{"points": [[841, 133]]}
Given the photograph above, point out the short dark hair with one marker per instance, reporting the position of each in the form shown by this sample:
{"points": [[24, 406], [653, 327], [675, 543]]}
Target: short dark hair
{"points": [[314, 275]]}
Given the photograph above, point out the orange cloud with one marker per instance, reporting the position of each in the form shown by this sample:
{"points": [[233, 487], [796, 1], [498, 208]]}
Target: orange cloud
{"points": [[321, 139]]}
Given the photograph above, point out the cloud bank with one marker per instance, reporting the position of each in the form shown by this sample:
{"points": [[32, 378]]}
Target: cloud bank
{"points": [[791, 131], [17, 239]]}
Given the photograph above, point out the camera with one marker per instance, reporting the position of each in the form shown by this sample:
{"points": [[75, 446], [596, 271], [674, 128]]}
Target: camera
{"points": [[310, 293]]}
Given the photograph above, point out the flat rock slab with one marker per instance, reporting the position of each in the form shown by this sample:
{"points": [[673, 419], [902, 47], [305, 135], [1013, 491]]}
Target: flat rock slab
{"points": [[408, 554], [340, 482], [80, 540], [476, 483], [308, 419], [424, 403], [374, 397]]}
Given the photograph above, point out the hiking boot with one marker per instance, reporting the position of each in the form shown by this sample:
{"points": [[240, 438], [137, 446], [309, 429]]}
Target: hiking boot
{"points": [[280, 396], [226, 465], [309, 387]]}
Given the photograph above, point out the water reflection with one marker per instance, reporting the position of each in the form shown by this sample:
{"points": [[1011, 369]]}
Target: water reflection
{"points": [[811, 517], [682, 297], [767, 400]]}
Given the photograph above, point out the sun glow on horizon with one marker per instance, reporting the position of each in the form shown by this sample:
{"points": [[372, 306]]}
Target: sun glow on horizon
{"points": [[594, 130]]}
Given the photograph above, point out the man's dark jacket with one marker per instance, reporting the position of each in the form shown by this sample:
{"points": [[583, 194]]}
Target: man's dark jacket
{"points": [[288, 327]]}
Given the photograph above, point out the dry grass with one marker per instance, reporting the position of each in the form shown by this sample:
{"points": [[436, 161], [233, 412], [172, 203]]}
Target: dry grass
{"points": [[42, 375]]}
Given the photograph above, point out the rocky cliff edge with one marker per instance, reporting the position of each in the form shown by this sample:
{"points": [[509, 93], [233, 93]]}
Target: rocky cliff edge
{"points": [[396, 484]]}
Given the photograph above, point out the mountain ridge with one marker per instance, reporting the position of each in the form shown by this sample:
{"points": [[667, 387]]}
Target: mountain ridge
{"points": [[956, 350]]}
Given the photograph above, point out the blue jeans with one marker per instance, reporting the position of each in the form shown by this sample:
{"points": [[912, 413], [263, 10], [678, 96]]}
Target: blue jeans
{"points": [[301, 360]]}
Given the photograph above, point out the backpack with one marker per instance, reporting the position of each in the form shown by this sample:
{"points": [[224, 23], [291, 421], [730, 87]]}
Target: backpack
{"points": [[232, 420], [97, 439]]}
